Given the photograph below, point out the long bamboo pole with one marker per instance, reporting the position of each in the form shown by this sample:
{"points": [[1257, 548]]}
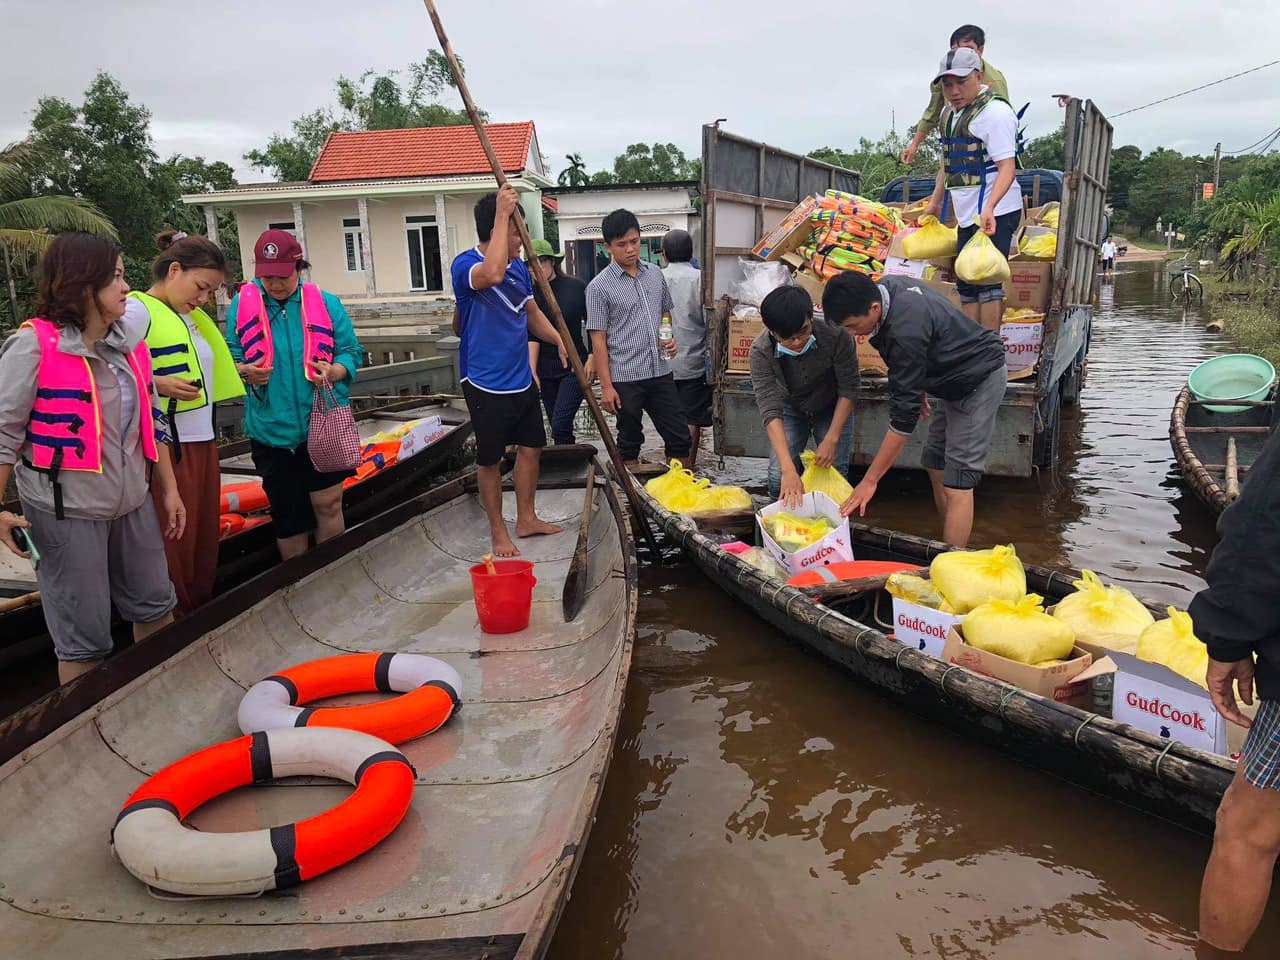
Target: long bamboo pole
{"points": [[557, 318]]}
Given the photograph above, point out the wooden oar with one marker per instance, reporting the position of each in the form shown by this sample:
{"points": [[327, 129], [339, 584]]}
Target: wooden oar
{"points": [[1233, 470], [557, 318], [576, 580], [17, 603]]}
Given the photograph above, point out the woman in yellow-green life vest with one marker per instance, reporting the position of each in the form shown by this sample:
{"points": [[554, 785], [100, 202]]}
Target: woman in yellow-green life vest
{"points": [[193, 370]]}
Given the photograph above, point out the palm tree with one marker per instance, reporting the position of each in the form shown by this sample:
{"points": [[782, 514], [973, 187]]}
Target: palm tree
{"points": [[29, 223], [1254, 222], [574, 175]]}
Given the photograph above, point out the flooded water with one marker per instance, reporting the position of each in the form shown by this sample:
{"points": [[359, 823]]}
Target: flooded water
{"points": [[762, 804]]}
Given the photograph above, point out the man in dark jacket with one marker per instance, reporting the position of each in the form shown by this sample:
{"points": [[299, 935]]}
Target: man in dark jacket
{"points": [[805, 376], [1238, 618], [931, 350]]}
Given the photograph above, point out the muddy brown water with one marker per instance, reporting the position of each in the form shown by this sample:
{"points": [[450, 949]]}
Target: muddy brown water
{"points": [[762, 804]]}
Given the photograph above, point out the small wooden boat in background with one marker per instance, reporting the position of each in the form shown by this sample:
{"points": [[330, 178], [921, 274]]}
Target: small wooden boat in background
{"points": [[839, 622], [504, 794], [245, 554], [1215, 450]]}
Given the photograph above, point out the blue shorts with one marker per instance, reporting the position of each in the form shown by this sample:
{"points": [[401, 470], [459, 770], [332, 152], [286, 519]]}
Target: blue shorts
{"points": [[1260, 759]]}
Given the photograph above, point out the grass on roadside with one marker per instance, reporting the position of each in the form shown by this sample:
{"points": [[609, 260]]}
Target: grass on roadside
{"points": [[1252, 325], [1144, 244]]}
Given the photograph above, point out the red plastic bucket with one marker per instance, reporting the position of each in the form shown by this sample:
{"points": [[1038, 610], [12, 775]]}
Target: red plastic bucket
{"points": [[503, 598]]}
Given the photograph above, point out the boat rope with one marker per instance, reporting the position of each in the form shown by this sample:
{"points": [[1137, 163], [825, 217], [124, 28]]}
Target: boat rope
{"points": [[942, 683], [1048, 584], [1008, 695], [796, 595], [1163, 753], [1084, 723], [897, 661], [774, 598], [827, 611], [857, 643]]}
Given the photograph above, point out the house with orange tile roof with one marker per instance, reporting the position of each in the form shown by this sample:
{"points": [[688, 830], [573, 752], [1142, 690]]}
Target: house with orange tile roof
{"points": [[383, 212]]}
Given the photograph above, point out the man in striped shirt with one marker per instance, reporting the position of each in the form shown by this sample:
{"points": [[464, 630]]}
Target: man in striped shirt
{"points": [[627, 303]]}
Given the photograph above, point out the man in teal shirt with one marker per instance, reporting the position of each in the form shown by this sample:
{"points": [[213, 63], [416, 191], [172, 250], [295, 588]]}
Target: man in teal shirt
{"points": [[975, 39], [277, 406]]}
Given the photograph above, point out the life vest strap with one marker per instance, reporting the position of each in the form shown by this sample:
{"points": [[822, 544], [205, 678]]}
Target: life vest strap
{"points": [[183, 367], [254, 340], [63, 393], [172, 348], [73, 420]]}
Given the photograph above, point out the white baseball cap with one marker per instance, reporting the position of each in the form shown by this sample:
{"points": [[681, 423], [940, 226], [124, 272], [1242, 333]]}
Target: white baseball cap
{"points": [[959, 62]]}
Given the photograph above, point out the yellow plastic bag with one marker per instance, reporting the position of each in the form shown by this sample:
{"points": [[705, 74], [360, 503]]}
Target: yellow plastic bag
{"points": [[1049, 214], [981, 262], [1019, 631], [794, 533], [826, 480], [913, 589], [1041, 247], [724, 498], [688, 498], [1173, 643], [662, 488], [1111, 617], [969, 578], [931, 241]]}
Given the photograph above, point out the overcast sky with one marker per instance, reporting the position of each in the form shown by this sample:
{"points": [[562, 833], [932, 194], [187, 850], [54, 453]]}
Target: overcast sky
{"points": [[596, 75]]}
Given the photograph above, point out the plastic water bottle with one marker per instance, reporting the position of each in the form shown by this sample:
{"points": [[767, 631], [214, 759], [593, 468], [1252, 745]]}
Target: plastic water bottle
{"points": [[665, 333]]}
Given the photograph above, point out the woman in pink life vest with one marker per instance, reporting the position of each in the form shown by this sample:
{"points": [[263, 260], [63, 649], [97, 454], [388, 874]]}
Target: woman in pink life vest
{"points": [[78, 431]]}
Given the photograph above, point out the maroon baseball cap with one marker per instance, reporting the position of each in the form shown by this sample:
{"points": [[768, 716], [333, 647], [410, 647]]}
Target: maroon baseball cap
{"points": [[276, 254]]}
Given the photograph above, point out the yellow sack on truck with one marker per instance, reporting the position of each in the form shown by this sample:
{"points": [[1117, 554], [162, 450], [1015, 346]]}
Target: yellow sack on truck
{"points": [[980, 261], [1049, 214], [1041, 247], [1173, 643], [969, 578], [662, 488], [1019, 631], [931, 241], [826, 480], [1111, 617], [794, 533]]}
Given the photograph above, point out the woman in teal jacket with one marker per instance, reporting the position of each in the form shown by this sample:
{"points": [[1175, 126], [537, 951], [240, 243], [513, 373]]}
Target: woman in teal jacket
{"points": [[269, 356]]}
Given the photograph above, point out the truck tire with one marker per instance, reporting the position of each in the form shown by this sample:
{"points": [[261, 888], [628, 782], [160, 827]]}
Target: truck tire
{"points": [[1045, 446], [1072, 381]]}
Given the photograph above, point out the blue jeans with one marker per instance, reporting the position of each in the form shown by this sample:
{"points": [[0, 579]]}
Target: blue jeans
{"points": [[799, 427], [561, 398]]}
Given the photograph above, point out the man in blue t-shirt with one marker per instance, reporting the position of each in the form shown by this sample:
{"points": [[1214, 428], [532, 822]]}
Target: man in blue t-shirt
{"points": [[496, 314]]}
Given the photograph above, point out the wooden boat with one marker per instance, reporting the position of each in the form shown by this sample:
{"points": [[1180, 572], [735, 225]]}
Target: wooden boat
{"points": [[505, 793], [839, 622], [1214, 451], [244, 554]]}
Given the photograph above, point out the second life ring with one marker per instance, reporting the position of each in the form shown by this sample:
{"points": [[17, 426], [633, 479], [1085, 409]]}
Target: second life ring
{"points": [[244, 497], [428, 688], [150, 840]]}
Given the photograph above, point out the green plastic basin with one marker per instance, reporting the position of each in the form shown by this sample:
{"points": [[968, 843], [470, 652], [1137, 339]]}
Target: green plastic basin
{"points": [[1233, 376]]}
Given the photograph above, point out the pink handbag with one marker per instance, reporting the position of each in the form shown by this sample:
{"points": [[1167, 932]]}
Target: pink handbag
{"points": [[333, 441]]}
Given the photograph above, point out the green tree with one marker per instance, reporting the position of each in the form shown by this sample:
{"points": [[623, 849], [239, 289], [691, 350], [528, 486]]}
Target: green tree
{"points": [[373, 101], [1162, 189], [879, 161], [574, 175], [656, 163], [28, 223], [1126, 164], [1048, 152]]}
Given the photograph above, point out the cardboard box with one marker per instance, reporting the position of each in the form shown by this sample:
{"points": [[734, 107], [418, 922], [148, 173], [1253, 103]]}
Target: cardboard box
{"points": [[794, 259], [899, 266], [420, 435], [744, 327], [922, 627], [869, 359], [1023, 340], [948, 290], [835, 547], [1030, 285], [791, 232], [1059, 682], [812, 285]]}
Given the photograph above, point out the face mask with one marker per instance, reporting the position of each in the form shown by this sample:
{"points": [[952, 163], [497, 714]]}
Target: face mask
{"points": [[786, 352]]}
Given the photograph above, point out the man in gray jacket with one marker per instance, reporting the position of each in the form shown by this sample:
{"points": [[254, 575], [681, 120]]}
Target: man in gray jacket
{"points": [[805, 376], [931, 350]]}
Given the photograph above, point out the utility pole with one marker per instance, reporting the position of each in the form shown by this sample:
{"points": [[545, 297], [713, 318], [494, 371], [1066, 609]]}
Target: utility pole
{"points": [[1217, 167]]}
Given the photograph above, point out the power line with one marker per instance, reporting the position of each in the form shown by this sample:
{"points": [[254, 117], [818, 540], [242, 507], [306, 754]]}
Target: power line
{"points": [[1202, 86], [1269, 135]]}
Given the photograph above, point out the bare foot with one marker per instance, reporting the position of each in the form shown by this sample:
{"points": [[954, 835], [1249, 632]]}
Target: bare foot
{"points": [[503, 545], [536, 528]]}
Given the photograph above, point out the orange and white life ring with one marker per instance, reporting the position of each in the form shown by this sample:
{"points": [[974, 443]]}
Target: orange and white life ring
{"points": [[847, 570], [244, 497], [428, 687], [152, 843]]}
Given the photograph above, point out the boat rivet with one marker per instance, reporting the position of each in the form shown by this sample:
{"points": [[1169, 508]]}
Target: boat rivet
{"points": [[463, 901], [199, 919], [119, 916], [237, 920], [382, 909], [35, 899], [141, 913], [221, 915], [483, 904], [44, 909], [262, 913], [400, 914], [342, 912], [359, 916], [102, 909], [441, 910]]}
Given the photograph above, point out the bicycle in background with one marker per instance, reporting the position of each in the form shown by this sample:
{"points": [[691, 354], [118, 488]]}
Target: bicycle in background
{"points": [[1183, 284]]}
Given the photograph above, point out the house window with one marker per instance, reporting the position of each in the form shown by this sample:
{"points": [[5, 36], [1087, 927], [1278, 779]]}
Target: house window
{"points": [[389, 356], [353, 244], [284, 225], [425, 269]]}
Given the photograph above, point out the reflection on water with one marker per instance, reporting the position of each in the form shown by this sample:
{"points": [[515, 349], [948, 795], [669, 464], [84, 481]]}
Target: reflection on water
{"points": [[763, 804]]}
